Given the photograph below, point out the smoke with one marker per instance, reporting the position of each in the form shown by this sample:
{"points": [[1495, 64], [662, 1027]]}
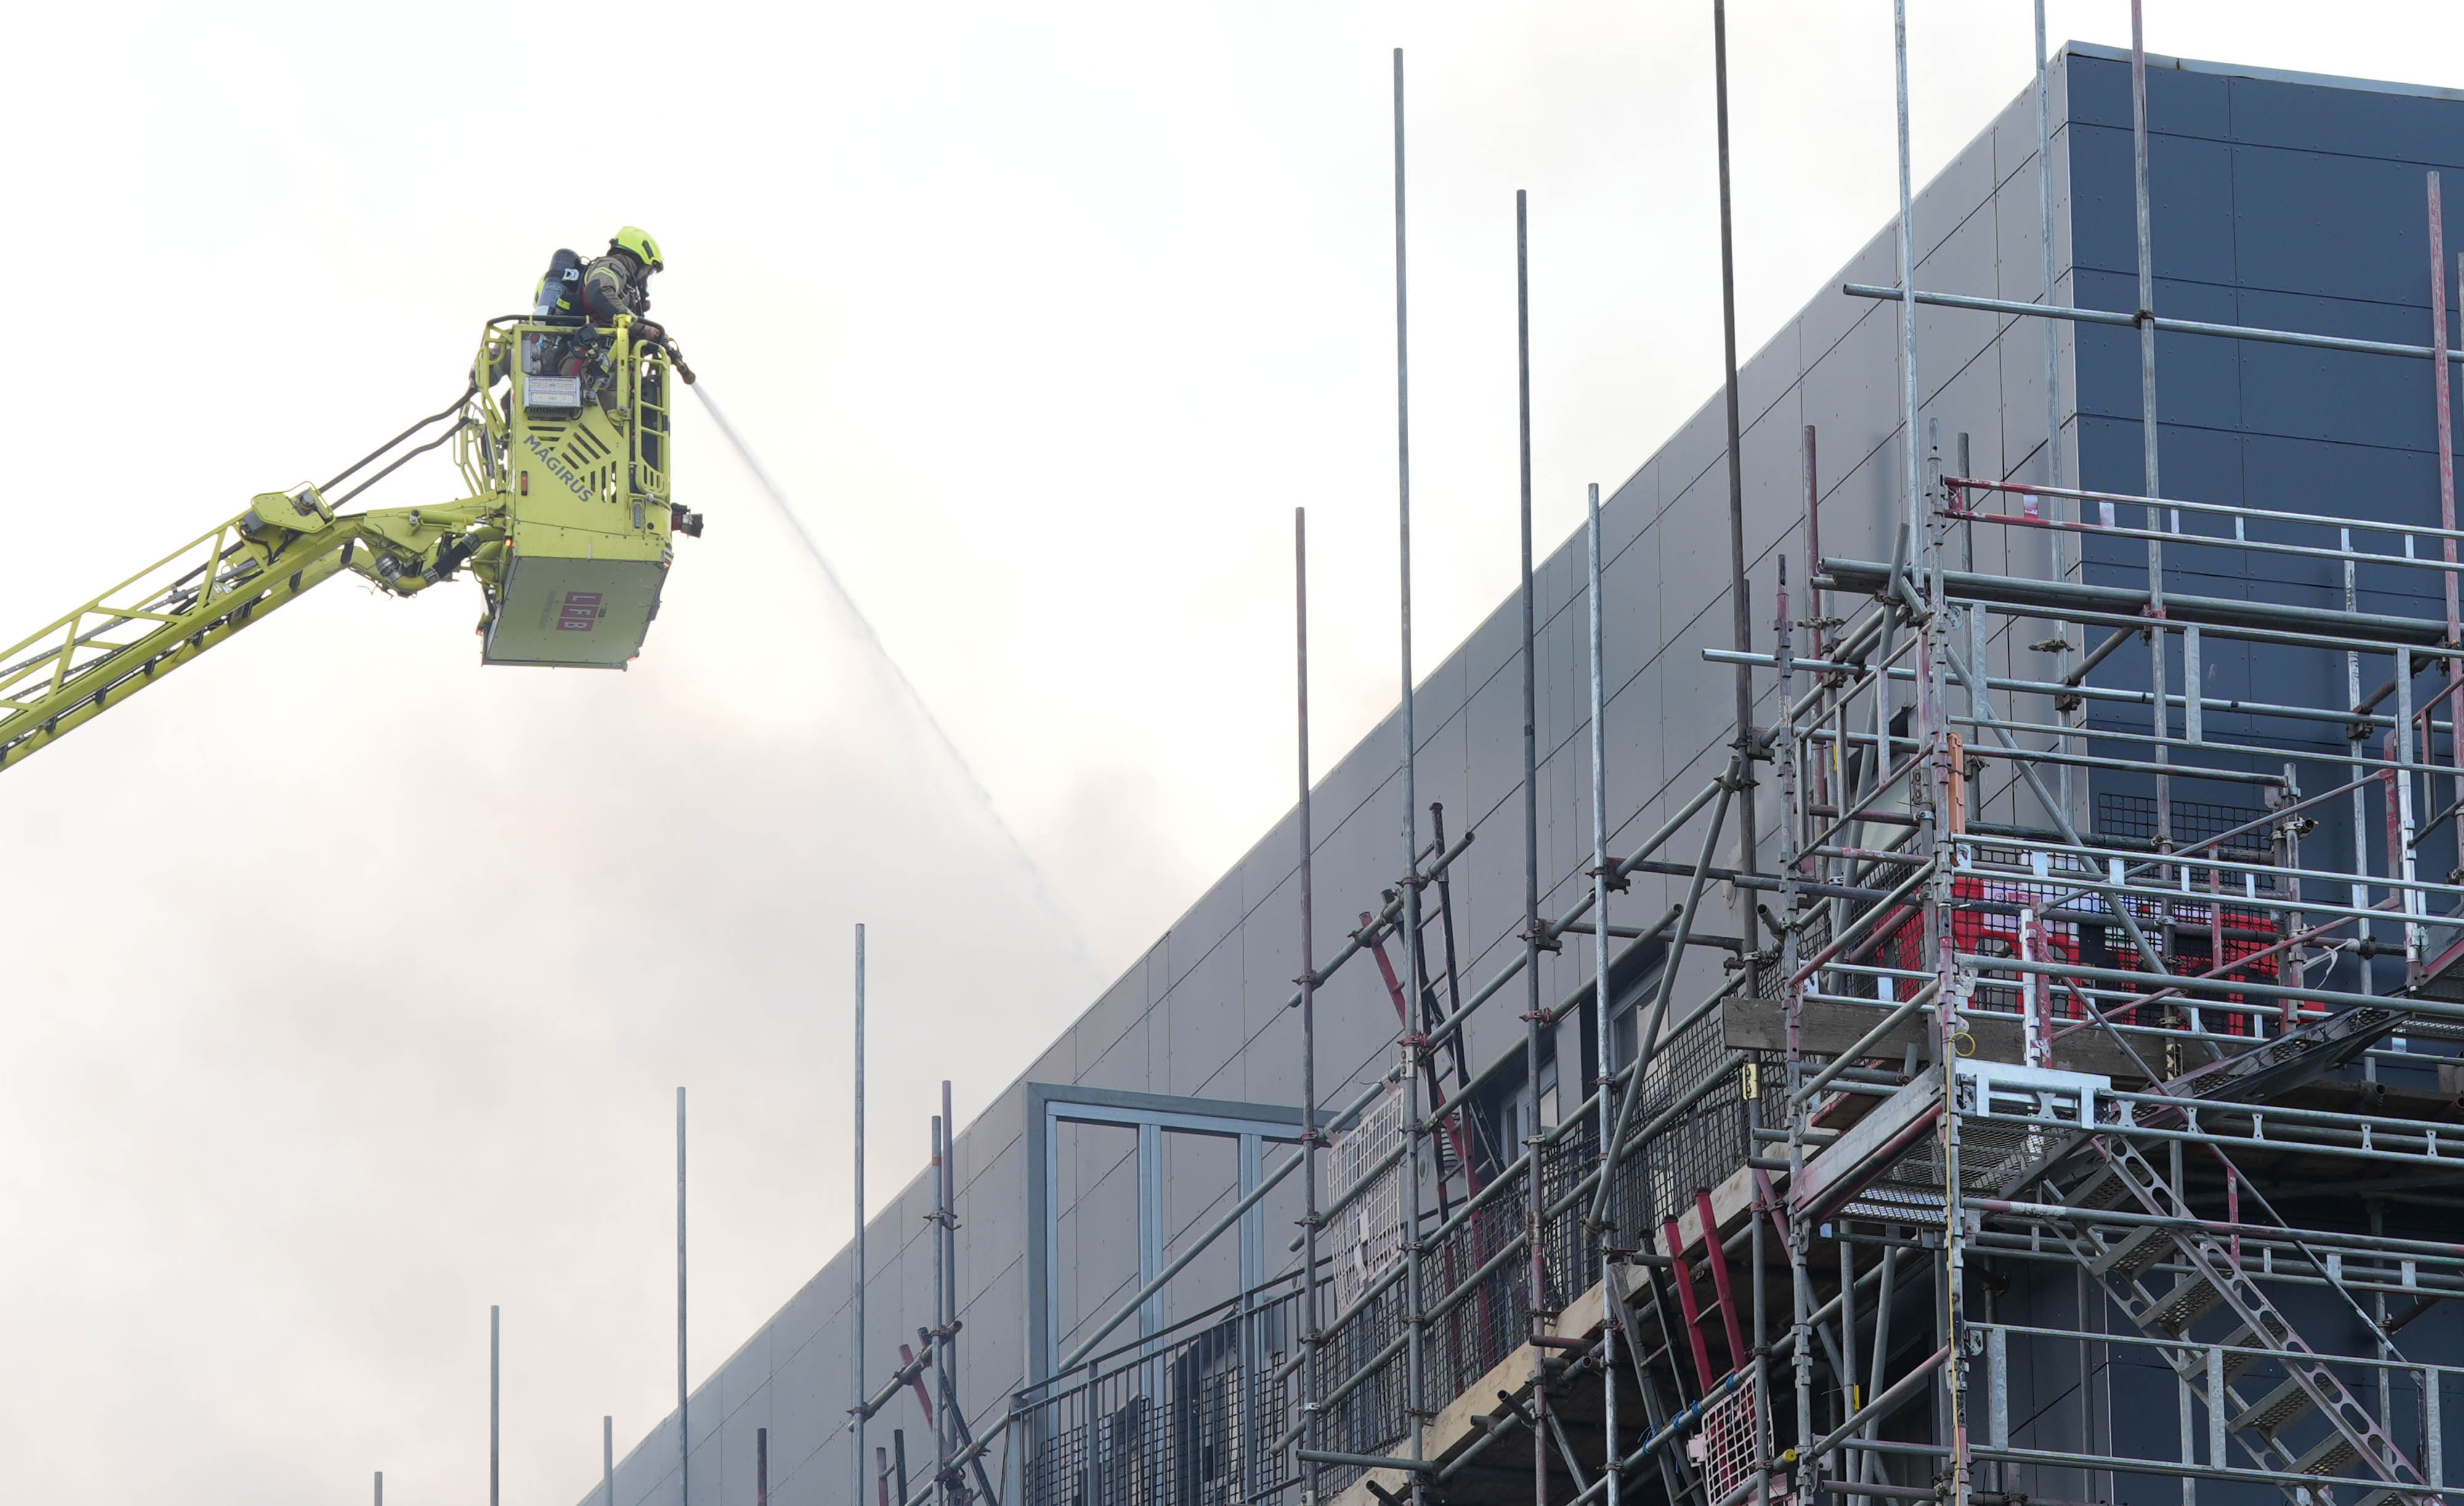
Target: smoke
{"points": [[877, 653]]}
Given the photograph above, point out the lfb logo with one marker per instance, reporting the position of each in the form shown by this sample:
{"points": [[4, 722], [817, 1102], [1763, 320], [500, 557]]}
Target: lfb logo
{"points": [[579, 613]]}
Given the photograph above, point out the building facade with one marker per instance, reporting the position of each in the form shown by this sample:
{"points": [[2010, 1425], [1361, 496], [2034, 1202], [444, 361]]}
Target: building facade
{"points": [[2208, 808]]}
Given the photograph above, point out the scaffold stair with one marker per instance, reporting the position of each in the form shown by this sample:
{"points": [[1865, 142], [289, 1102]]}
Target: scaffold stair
{"points": [[2293, 1059], [2130, 1261]]}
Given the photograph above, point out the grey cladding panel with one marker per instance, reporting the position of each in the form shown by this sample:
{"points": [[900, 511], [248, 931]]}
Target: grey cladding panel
{"points": [[1690, 455], [1205, 1019], [1852, 397], [1693, 553], [1122, 1006], [1201, 930], [993, 1214], [1271, 957], [1493, 748], [1624, 513], [1828, 316], [1774, 493]]}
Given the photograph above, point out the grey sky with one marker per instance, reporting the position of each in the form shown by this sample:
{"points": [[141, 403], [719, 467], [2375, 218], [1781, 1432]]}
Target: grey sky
{"points": [[351, 982]]}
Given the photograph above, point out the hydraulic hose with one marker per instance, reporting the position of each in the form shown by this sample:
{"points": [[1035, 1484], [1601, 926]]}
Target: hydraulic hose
{"points": [[447, 412], [405, 459]]}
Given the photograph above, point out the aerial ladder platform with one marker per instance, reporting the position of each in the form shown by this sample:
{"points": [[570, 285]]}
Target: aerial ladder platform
{"points": [[563, 438]]}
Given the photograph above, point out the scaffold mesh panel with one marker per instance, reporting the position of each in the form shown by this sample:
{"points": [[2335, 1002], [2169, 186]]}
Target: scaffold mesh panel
{"points": [[1704, 1143], [1200, 1420], [1366, 1238], [2130, 820], [1363, 1359], [1729, 1438], [1475, 1286], [1490, 1311]]}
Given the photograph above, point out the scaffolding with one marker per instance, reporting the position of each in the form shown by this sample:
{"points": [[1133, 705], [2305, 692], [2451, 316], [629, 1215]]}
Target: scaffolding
{"points": [[2027, 1100]]}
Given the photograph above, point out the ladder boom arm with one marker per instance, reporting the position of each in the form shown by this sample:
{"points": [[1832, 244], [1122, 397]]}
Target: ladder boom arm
{"points": [[562, 441], [198, 597]]}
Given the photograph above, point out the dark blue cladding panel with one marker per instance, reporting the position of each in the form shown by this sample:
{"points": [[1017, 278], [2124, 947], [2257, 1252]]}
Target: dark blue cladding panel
{"points": [[2295, 205], [2347, 122], [2190, 200], [2346, 227], [2178, 104], [2332, 395], [2198, 464], [2356, 480], [2107, 359], [2197, 380], [2287, 206]]}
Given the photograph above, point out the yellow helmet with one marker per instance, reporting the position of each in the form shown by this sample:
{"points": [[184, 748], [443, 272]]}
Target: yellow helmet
{"points": [[639, 244]]}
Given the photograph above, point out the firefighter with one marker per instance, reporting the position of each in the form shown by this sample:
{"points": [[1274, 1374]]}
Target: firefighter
{"points": [[598, 291], [620, 281]]}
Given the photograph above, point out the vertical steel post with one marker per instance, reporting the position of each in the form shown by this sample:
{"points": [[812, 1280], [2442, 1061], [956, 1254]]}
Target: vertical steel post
{"points": [[2158, 752], [1311, 1338], [760, 1466], [2053, 345], [2193, 683], [2189, 1449], [1534, 1015], [607, 1462], [496, 1406], [2402, 860], [1998, 1381], [2378, 1316], [1755, 1218], [1932, 723], [2287, 849], [1914, 519], [1413, 1297], [1600, 999], [1404, 555], [1865, 1462], [948, 1413], [684, 1430], [1967, 560], [2434, 1450], [2218, 1403], [940, 1320], [2441, 378], [2146, 316], [2036, 993], [1932, 656], [1813, 541], [380, 1501], [2045, 237], [1741, 613], [2360, 897], [856, 1352], [1792, 829], [1847, 1369]]}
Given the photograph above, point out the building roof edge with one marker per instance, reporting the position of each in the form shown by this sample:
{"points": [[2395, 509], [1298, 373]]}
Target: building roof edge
{"points": [[2193, 65]]}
